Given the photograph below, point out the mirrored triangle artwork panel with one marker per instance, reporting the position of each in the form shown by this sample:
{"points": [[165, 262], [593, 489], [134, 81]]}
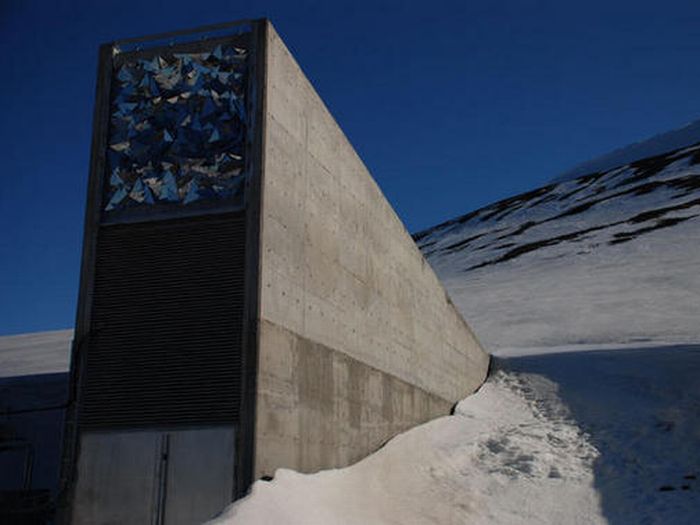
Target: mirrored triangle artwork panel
{"points": [[177, 130]]}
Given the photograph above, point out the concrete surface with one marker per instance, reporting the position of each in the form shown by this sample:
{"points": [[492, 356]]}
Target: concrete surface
{"points": [[342, 282], [318, 407]]}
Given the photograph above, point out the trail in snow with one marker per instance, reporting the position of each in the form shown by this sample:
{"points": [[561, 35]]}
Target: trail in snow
{"points": [[574, 437], [641, 411]]}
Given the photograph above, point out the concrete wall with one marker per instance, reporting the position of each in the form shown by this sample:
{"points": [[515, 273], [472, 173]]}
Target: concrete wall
{"points": [[319, 407], [351, 314]]}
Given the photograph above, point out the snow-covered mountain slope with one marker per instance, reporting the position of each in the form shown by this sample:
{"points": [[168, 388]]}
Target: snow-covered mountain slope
{"points": [[656, 145], [553, 438], [607, 257]]}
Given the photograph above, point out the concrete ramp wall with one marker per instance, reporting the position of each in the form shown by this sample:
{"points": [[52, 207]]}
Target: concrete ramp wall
{"points": [[358, 339]]}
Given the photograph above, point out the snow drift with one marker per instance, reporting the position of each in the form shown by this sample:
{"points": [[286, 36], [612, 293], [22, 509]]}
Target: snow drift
{"points": [[560, 438]]}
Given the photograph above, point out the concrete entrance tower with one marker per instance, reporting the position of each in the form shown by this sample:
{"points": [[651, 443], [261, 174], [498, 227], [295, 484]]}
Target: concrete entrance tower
{"points": [[249, 299]]}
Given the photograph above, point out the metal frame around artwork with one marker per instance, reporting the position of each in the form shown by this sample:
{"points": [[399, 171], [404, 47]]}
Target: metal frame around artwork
{"points": [[245, 466]]}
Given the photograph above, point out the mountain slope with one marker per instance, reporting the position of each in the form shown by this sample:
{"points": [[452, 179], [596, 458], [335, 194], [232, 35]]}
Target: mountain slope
{"points": [[656, 145], [607, 257]]}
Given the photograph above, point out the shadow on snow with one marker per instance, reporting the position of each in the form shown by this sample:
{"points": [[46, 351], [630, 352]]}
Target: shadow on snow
{"points": [[641, 410]]}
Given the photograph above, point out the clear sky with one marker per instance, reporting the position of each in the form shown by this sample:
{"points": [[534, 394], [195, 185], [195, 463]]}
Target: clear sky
{"points": [[452, 105]]}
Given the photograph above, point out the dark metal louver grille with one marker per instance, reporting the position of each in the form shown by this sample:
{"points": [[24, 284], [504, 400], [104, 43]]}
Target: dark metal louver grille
{"points": [[166, 325]]}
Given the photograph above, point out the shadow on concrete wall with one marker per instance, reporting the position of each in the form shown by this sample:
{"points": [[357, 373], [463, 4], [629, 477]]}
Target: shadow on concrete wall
{"points": [[641, 408]]}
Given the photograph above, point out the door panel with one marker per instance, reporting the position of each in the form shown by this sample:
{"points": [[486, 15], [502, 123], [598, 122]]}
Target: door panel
{"points": [[181, 477], [116, 479], [200, 475]]}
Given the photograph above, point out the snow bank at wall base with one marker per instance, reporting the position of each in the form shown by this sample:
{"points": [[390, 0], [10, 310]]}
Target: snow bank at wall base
{"points": [[485, 464], [559, 438]]}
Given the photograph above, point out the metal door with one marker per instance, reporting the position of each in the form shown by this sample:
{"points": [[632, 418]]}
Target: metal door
{"points": [[179, 477]]}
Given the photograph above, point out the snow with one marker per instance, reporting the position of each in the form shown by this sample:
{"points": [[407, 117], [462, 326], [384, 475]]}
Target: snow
{"points": [[644, 291], [607, 259], [664, 142], [577, 437], [36, 353], [640, 409]]}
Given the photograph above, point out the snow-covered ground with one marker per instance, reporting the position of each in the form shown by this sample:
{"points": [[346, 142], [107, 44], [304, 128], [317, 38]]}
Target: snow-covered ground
{"points": [[578, 437]]}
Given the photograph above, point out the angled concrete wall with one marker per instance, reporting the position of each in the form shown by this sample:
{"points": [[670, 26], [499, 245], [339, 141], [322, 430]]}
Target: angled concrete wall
{"points": [[358, 339]]}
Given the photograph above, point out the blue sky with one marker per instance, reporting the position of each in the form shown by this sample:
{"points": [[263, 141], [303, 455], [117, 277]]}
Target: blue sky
{"points": [[452, 105]]}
